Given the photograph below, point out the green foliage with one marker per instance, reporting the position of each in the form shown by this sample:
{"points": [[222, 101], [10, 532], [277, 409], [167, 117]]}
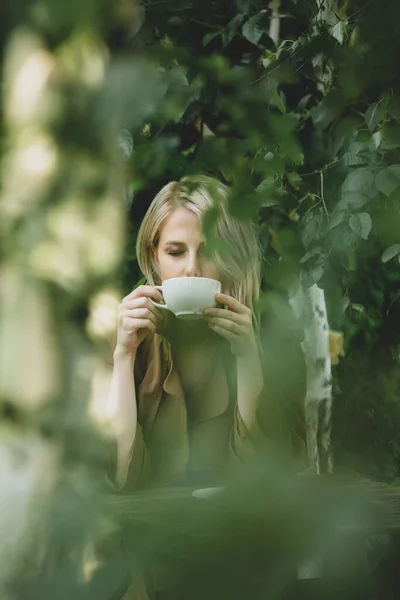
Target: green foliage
{"points": [[304, 133], [305, 130], [367, 383], [391, 252]]}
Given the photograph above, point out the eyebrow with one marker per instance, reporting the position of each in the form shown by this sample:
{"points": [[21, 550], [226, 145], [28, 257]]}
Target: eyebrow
{"points": [[176, 243]]}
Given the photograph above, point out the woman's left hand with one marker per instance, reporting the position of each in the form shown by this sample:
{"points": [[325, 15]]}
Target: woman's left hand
{"points": [[234, 323]]}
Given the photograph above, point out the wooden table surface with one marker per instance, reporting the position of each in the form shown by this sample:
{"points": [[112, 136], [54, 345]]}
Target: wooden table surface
{"points": [[379, 503]]}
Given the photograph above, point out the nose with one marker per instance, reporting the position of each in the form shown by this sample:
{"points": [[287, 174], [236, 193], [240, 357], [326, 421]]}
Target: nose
{"points": [[193, 268]]}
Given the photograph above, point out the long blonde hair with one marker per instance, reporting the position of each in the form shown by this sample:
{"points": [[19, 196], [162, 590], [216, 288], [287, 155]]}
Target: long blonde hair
{"points": [[239, 267]]}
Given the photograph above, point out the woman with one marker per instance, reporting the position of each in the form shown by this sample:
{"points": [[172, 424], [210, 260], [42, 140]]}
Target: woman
{"points": [[184, 395]]}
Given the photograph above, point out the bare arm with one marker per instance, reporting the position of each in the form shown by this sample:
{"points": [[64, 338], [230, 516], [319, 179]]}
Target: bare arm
{"points": [[137, 320], [249, 386], [123, 410]]}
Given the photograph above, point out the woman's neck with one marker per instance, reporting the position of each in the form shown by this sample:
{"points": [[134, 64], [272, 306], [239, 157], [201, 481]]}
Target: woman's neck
{"points": [[184, 334]]}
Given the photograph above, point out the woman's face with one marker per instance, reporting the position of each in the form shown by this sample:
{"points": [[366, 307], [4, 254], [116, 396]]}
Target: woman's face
{"points": [[180, 251]]}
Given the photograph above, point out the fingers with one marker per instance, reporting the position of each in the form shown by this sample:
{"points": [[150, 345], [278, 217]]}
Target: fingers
{"points": [[233, 304], [141, 302], [223, 313], [227, 325], [240, 324], [147, 291], [233, 338], [140, 313], [133, 324]]}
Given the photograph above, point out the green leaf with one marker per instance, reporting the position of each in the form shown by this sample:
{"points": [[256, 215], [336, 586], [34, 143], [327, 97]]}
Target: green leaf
{"points": [[377, 139], [388, 180], [358, 307], [349, 239], [391, 252], [281, 311], [209, 220], [338, 31], [312, 229], [142, 281], [138, 20], [357, 155], [283, 274], [125, 143], [353, 199], [352, 159], [242, 205], [375, 114], [209, 37], [178, 76], [302, 105], [345, 303], [250, 30], [272, 94], [215, 245], [176, 21], [311, 254], [393, 107], [313, 276], [361, 224], [232, 28], [256, 27], [267, 193], [294, 179], [359, 180], [347, 125], [336, 220], [322, 116], [390, 137]]}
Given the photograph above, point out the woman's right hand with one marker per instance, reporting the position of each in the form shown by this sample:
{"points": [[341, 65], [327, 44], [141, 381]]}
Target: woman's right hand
{"points": [[138, 318]]}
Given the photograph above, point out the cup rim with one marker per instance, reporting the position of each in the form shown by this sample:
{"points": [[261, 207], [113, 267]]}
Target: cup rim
{"points": [[187, 278]]}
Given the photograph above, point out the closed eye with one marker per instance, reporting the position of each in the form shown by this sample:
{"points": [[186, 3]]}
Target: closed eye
{"points": [[176, 253]]}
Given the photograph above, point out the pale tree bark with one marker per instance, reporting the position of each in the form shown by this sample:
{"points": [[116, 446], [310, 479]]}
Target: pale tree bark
{"points": [[309, 307], [308, 304], [275, 22]]}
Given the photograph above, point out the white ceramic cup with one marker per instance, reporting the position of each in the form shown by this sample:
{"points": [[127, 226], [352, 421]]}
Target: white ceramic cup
{"points": [[188, 297]]}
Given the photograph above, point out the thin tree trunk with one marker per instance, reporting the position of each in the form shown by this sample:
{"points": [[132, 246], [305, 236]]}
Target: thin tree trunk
{"points": [[275, 22], [309, 307]]}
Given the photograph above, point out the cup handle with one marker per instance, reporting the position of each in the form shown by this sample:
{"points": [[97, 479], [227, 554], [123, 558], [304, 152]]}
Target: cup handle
{"points": [[164, 306]]}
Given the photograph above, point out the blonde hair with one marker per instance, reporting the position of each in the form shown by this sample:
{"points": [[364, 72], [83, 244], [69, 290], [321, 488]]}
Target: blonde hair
{"points": [[239, 267]]}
